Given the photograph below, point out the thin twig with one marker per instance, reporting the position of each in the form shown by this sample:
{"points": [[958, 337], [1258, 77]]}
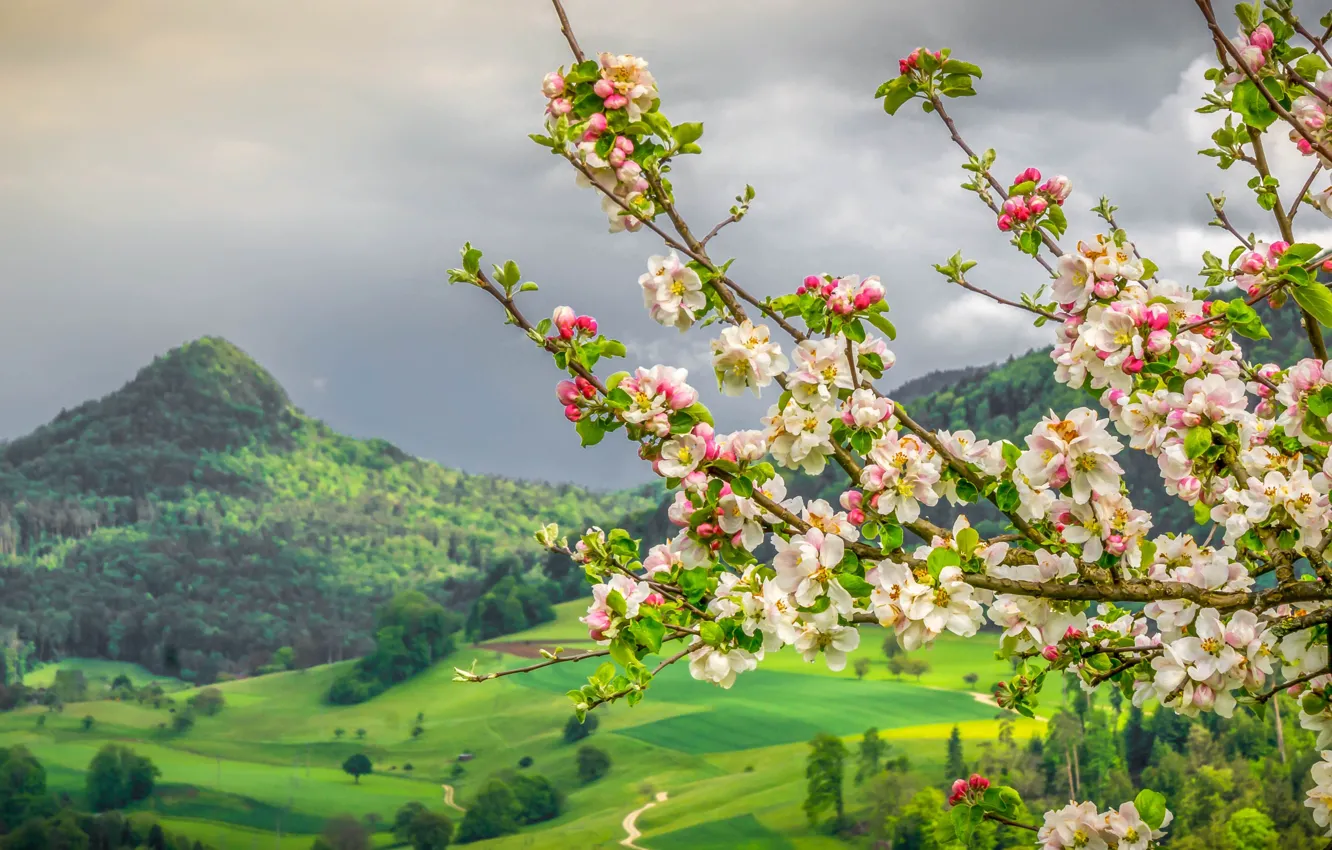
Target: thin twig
{"points": [[1298, 203], [568, 31], [962, 282], [998, 818], [1287, 685], [714, 231]]}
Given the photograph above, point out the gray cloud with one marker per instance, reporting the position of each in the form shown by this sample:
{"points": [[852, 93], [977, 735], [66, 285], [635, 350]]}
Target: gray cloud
{"points": [[298, 176]]}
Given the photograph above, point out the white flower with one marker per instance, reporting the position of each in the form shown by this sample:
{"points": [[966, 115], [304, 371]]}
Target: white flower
{"points": [[1077, 451], [805, 568], [681, 455], [821, 369], [672, 291], [737, 514], [1207, 654], [720, 667], [800, 438], [821, 515], [744, 358], [1131, 830], [1077, 825], [1320, 796], [948, 604], [825, 631]]}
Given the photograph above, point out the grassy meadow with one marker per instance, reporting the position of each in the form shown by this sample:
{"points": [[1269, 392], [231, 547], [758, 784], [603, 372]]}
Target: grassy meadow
{"points": [[733, 764]]}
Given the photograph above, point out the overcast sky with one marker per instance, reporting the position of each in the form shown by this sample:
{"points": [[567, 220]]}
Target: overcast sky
{"points": [[297, 176]]}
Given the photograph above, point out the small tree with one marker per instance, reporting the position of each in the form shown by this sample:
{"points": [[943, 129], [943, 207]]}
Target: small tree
{"points": [[343, 832], [971, 679], [538, 800], [360, 734], [117, 776], [955, 767], [493, 813], [88, 721], [824, 770], [916, 667], [593, 763], [861, 667], [357, 766], [891, 648], [208, 702], [418, 731], [576, 730], [871, 754], [897, 665]]}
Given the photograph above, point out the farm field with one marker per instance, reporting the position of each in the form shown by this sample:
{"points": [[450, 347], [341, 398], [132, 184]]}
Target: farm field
{"points": [[733, 766]]}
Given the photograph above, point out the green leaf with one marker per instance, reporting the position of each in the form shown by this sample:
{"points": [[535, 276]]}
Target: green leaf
{"points": [[855, 585], [1252, 105], [694, 583], [742, 486], [965, 819], [1006, 496], [583, 72], [471, 259], [711, 633], [967, 540], [957, 66], [613, 348], [614, 380], [1197, 441], [1309, 65], [897, 92], [623, 653], [690, 131], [528, 287], [1300, 252], [1315, 298], [1151, 807], [1202, 514], [698, 412], [941, 558], [619, 399], [590, 430], [659, 124], [891, 535], [885, 326], [648, 631], [1320, 403], [615, 602], [956, 85], [862, 441], [854, 331]]}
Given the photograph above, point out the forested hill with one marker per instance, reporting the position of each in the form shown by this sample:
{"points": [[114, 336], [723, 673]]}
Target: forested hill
{"points": [[195, 521]]}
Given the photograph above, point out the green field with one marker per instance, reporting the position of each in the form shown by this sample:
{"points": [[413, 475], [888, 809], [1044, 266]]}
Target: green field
{"points": [[98, 671], [732, 763]]}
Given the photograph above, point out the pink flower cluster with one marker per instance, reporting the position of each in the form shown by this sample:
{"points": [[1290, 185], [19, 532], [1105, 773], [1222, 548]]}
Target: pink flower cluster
{"points": [[654, 395], [1252, 267], [912, 60], [968, 791], [568, 323], [844, 295], [572, 393], [1019, 209]]}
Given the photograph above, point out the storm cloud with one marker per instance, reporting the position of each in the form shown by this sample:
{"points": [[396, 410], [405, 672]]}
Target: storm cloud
{"points": [[297, 177]]}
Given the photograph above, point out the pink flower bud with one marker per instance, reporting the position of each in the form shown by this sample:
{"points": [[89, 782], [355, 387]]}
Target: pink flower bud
{"points": [[559, 106], [1105, 289], [603, 88], [1262, 38], [1156, 317], [597, 123], [1116, 397], [1133, 365], [851, 499], [958, 792], [813, 281], [978, 782], [706, 529], [585, 387], [1251, 262], [1028, 175], [567, 392], [1037, 205], [1115, 545], [587, 324], [902, 67], [1327, 265], [1073, 633], [1005, 222], [1158, 342], [1276, 249], [1189, 488], [1057, 188], [615, 158], [624, 143], [1050, 653], [654, 598], [1016, 207], [1304, 146], [552, 85], [573, 413], [563, 318], [597, 624], [616, 101], [855, 516], [1059, 477]]}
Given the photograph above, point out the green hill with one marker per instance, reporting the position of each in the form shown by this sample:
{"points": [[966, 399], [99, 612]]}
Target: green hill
{"points": [[194, 521]]}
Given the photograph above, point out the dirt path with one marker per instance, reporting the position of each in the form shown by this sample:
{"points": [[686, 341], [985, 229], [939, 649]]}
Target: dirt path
{"points": [[630, 823], [448, 799]]}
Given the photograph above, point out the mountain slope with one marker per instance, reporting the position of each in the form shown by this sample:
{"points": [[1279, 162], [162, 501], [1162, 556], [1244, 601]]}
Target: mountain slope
{"points": [[194, 521]]}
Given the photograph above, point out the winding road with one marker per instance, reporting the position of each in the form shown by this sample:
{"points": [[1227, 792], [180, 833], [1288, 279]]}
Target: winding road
{"points": [[630, 823], [448, 798]]}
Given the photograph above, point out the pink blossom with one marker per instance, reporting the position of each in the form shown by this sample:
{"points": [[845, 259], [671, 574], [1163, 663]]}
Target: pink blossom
{"points": [[552, 85], [567, 392], [1029, 175], [564, 318], [1262, 38], [573, 413], [1050, 653]]}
